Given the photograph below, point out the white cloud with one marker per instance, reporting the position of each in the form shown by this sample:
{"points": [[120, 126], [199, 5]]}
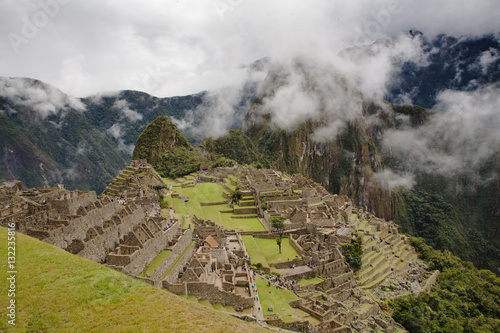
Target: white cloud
{"points": [[116, 132], [391, 180], [123, 106], [178, 48], [42, 98]]}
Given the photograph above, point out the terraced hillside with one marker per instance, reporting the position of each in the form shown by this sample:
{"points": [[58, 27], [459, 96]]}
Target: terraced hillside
{"points": [[384, 254], [60, 292], [208, 200]]}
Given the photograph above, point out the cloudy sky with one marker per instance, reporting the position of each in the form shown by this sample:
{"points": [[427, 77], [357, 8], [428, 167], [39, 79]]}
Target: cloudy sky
{"points": [[178, 47]]}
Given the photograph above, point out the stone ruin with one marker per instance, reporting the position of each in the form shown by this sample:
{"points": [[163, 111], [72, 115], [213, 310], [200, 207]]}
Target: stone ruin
{"points": [[122, 229]]}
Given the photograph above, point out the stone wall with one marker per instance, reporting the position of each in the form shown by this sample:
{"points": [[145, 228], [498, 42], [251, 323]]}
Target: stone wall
{"points": [[151, 249], [173, 275], [78, 228], [331, 268], [296, 245], [297, 326], [177, 249], [342, 296], [287, 264], [331, 326], [215, 295], [373, 310], [431, 281], [246, 210], [213, 203], [69, 204]]}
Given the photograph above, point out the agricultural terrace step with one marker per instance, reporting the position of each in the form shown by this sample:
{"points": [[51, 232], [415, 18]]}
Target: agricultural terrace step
{"points": [[219, 307], [391, 238], [398, 241], [407, 256], [376, 273], [362, 225], [378, 281], [401, 250], [401, 267], [370, 242], [370, 268], [373, 262], [205, 302], [367, 256]]}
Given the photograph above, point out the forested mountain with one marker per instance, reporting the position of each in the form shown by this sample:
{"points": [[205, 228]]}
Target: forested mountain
{"points": [[49, 137], [434, 174], [463, 64]]}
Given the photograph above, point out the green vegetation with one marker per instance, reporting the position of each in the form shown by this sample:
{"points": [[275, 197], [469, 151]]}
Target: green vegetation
{"points": [[179, 258], [353, 252], [236, 195], [235, 145], [178, 162], [278, 299], [430, 217], [159, 136], [157, 261], [264, 250], [60, 292], [59, 148], [277, 222], [464, 299], [209, 193], [305, 282], [159, 187]]}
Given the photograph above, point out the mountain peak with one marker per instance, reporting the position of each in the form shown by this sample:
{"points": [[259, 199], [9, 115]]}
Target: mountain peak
{"points": [[159, 136]]}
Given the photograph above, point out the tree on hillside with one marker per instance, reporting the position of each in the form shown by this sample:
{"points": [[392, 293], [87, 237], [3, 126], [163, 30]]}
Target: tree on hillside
{"points": [[236, 195], [159, 187], [278, 222], [353, 252]]}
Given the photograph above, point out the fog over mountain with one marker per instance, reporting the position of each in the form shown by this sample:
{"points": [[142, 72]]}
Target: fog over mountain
{"points": [[97, 72], [180, 48]]}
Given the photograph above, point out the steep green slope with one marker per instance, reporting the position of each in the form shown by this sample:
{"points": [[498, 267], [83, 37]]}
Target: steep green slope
{"points": [[61, 148], [164, 147], [464, 299], [359, 161], [236, 145], [159, 136], [60, 292], [345, 165]]}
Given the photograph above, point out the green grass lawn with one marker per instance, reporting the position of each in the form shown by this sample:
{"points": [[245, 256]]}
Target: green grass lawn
{"points": [[157, 261], [211, 192], [60, 292], [203, 192], [305, 282], [254, 251], [278, 299], [179, 206], [176, 262], [266, 251], [212, 212], [271, 251], [252, 224], [168, 181]]}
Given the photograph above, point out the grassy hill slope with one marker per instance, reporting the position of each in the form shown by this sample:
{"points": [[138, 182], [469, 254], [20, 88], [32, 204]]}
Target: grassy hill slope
{"points": [[57, 291]]}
